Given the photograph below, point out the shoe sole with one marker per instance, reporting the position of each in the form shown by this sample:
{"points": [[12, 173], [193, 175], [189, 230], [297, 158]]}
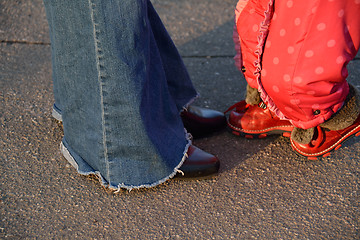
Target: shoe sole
{"points": [[327, 152], [178, 177], [253, 134]]}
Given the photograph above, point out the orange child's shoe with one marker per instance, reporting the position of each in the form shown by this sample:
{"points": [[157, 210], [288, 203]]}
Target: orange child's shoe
{"points": [[325, 141], [256, 121], [330, 135]]}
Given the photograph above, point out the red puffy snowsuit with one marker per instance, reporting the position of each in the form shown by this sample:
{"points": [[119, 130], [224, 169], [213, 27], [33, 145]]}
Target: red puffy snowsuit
{"points": [[295, 53]]}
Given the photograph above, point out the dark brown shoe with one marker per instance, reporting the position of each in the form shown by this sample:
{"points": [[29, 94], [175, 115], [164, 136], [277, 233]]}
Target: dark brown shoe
{"points": [[201, 122], [198, 165]]}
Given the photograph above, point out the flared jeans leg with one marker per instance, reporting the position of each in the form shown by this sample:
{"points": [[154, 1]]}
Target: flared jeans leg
{"points": [[120, 83]]}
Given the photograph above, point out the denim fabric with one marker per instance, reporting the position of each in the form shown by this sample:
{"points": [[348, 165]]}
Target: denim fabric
{"points": [[119, 83]]}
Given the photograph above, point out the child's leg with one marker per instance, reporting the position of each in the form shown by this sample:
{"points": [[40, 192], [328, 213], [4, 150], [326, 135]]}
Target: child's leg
{"points": [[303, 72], [304, 64]]}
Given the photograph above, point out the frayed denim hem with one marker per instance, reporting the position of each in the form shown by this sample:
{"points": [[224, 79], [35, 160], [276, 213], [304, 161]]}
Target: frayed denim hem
{"points": [[76, 161], [186, 106]]}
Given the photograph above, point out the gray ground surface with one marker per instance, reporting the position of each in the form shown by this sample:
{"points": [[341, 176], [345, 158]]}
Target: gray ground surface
{"points": [[264, 190]]}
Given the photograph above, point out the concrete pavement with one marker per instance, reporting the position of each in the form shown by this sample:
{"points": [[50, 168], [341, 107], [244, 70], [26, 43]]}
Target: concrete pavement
{"points": [[264, 190]]}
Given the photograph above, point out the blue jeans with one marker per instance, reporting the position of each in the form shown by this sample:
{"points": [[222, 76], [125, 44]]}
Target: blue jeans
{"points": [[120, 84]]}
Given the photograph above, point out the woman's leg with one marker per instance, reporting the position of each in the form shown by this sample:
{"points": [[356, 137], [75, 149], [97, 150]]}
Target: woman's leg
{"points": [[120, 118]]}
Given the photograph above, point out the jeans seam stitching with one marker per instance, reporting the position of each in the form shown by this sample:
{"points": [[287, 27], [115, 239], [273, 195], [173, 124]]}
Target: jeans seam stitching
{"points": [[101, 84]]}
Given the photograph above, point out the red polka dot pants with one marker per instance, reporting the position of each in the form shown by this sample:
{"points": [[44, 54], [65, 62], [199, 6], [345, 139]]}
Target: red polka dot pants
{"points": [[295, 53]]}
